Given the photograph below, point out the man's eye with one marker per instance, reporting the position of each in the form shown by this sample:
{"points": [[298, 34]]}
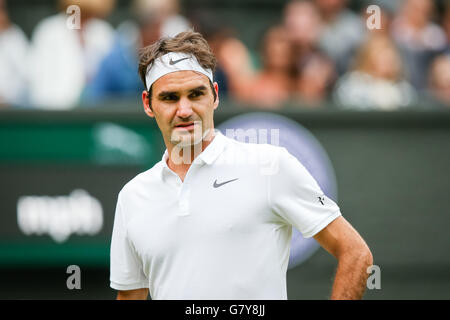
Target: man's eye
{"points": [[170, 98], [196, 94]]}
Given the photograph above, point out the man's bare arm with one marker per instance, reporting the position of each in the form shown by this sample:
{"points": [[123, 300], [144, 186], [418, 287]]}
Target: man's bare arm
{"points": [[341, 240], [138, 294]]}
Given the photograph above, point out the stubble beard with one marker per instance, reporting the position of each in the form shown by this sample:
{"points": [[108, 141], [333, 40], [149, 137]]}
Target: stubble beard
{"points": [[185, 139], [186, 143]]}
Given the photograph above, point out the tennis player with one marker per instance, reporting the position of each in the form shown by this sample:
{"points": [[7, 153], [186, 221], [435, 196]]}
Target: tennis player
{"points": [[213, 219]]}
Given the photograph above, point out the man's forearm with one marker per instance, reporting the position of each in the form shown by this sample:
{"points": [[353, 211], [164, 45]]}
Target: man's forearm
{"points": [[351, 276], [137, 294]]}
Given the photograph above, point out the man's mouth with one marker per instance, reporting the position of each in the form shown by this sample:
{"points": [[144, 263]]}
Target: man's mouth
{"points": [[187, 125]]}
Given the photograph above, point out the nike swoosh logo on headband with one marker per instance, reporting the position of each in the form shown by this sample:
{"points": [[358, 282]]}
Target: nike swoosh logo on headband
{"points": [[172, 62]]}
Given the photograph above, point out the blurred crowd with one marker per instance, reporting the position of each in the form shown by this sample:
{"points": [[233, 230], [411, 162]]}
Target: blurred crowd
{"points": [[319, 52]]}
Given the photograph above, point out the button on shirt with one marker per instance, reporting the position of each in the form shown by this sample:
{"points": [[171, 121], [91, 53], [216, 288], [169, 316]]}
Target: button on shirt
{"points": [[222, 233]]}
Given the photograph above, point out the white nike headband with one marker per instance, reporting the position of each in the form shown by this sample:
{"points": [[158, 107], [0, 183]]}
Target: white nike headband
{"points": [[172, 62]]}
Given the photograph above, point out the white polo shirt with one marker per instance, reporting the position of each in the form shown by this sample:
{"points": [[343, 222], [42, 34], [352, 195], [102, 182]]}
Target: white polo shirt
{"points": [[223, 233]]}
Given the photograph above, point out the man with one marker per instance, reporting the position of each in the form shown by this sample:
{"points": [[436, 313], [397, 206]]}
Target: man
{"points": [[13, 52], [213, 219], [66, 51]]}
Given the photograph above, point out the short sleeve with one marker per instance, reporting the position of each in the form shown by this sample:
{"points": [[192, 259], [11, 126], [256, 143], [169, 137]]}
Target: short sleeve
{"points": [[296, 198], [126, 272]]}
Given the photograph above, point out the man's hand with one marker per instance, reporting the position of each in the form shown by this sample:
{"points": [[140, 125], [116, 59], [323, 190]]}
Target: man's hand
{"points": [[354, 257], [138, 294]]}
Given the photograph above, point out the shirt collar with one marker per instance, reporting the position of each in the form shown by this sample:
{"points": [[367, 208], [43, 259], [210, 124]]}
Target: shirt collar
{"points": [[207, 156]]}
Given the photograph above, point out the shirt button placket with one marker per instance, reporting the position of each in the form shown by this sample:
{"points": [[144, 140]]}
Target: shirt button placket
{"points": [[184, 201]]}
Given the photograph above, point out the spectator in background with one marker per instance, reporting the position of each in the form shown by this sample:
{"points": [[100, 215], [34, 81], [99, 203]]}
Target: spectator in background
{"points": [[315, 71], [236, 66], [168, 11], [418, 38], [117, 75], [376, 81], [342, 32], [271, 86], [439, 80], [62, 59], [303, 27], [315, 80], [446, 24], [13, 52]]}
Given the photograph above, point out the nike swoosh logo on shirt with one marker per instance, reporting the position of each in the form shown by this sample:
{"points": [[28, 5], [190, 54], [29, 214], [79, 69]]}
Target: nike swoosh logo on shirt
{"points": [[216, 185], [172, 62]]}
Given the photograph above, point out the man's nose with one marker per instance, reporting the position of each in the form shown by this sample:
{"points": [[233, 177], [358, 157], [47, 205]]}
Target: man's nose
{"points": [[184, 107]]}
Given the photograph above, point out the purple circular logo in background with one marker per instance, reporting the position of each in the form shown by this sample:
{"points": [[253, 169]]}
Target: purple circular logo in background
{"points": [[305, 147]]}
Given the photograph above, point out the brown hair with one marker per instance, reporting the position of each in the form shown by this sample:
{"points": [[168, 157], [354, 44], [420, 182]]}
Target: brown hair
{"points": [[189, 42], [373, 46]]}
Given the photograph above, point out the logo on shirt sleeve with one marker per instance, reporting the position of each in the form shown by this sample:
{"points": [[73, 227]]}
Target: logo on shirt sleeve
{"points": [[321, 199]]}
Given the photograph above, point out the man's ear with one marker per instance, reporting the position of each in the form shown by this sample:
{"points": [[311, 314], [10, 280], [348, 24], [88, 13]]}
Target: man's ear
{"points": [[216, 89], [146, 101]]}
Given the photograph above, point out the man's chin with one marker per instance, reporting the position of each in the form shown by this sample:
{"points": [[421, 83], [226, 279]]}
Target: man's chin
{"points": [[186, 140], [185, 143]]}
